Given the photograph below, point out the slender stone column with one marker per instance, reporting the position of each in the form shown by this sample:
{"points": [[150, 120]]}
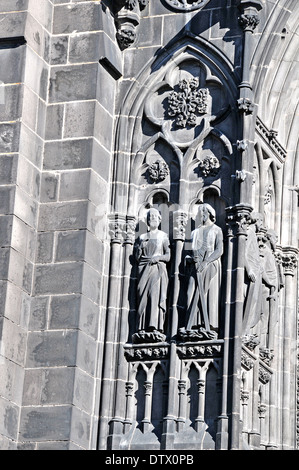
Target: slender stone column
{"points": [[117, 224], [289, 259], [222, 428], [180, 221], [201, 384], [116, 424], [238, 217], [182, 386], [147, 405]]}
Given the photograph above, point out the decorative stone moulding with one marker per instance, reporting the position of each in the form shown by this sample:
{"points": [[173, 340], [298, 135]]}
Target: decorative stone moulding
{"points": [[187, 5]]}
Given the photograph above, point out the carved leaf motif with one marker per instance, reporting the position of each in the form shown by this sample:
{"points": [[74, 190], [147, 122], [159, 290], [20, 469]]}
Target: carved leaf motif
{"points": [[158, 171]]}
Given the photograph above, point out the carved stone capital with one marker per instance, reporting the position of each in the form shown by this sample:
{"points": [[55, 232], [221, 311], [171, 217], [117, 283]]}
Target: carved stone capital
{"points": [[117, 228], [238, 219], [130, 230], [289, 260], [182, 386], [129, 389], [244, 397]]}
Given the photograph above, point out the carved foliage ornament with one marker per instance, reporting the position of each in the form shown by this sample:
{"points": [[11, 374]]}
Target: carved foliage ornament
{"points": [[209, 166], [158, 171], [187, 103], [187, 5]]}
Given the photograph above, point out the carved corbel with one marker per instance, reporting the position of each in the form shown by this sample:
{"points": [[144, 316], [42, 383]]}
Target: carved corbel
{"points": [[127, 20]]}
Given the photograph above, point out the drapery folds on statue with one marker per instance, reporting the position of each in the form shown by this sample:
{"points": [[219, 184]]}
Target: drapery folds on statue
{"points": [[203, 263], [152, 253]]}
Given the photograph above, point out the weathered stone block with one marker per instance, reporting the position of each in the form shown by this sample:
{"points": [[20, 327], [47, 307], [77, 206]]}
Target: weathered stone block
{"points": [[12, 60], [86, 353], [23, 239], [12, 377], [52, 386], [79, 119], [58, 50], [51, 349], [65, 278], [83, 391], [63, 216], [74, 185], [38, 313], [45, 242], [12, 24], [13, 345], [78, 17], [7, 194], [6, 222], [17, 305], [71, 246], [14, 5], [81, 428], [65, 312], [45, 423], [8, 169], [11, 103], [69, 154], [73, 83], [25, 207], [9, 417]]}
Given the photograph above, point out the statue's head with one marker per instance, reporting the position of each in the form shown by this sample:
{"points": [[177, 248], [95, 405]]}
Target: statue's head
{"points": [[153, 218], [257, 219], [205, 212], [272, 237]]}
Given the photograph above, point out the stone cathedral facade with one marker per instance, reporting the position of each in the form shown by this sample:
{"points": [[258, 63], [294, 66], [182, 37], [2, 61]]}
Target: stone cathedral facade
{"points": [[149, 182]]}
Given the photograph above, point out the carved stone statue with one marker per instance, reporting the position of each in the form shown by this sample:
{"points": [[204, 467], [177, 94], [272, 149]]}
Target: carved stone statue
{"points": [[272, 278], [253, 276], [204, 265], [152, 252]]}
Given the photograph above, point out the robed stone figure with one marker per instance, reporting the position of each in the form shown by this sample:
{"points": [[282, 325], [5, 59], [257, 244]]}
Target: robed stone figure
{"points": [[253, 276], [203, 263], [272, 282], [152, 251]]}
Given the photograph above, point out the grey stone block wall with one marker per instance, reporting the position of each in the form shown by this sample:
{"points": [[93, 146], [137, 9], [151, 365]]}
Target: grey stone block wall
{"points": [[55, 167]]}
